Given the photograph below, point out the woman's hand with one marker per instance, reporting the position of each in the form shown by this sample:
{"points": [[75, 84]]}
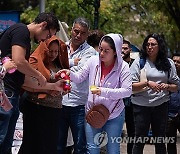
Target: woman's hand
{"points": [[96, 91], [164, 86], [154, 86]]}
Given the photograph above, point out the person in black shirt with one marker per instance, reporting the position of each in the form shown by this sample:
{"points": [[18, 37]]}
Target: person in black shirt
{"points": [[15, 43]]}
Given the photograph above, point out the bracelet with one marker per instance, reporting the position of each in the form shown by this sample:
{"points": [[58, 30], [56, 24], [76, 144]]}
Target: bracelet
{"points": [[168, 86]]}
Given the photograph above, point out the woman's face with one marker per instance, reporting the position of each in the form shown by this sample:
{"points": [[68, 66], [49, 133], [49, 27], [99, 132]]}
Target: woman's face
{"points": [[152, 48], [107, 54], [53, 51]]}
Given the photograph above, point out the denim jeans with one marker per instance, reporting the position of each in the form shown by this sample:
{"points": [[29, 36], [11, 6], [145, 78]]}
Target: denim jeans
{"points": [[143, 118], [73, 117], [172, 127], [8, 122], [113, 130]]}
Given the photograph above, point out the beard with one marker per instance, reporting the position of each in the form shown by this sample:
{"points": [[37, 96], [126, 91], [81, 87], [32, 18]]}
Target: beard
{"points": [[126, 55]]}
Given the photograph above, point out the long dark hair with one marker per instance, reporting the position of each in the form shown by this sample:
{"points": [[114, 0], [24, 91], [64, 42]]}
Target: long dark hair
{"points": [[162, 63]]}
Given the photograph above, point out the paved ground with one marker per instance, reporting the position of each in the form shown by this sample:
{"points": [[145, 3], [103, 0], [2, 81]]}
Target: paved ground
{"points": [[149, 148], [18, 135]]}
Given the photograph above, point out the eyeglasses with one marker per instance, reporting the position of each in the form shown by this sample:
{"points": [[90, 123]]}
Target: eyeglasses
{"points": [[151, 44]]}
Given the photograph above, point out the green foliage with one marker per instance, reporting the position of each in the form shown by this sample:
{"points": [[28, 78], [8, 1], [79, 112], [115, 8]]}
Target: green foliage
{"points": [[29, 15], [132, 18]]}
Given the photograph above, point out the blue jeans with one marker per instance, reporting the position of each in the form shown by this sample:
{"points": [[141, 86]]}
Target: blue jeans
{"points": [[143, 118], [113, 130], [73, 117], [8, 122]]}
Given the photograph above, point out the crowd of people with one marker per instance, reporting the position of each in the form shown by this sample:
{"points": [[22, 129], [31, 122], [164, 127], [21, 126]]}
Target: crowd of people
{"points": [[105, 82]]}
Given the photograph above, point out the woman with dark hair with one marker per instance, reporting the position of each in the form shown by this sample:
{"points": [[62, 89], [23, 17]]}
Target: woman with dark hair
{"points": [[110, 82], [150, 106], [41, 107]]}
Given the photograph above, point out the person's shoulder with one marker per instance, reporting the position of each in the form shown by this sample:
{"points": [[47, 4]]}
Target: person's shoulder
{"points": [[131, 61], [19, 28], [86, 46], [88, 50], [94, 59], [137, 60], [171, 61], [136, 63], [19, 25]]}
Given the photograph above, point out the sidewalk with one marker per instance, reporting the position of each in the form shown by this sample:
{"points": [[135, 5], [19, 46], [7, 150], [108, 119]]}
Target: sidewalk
{"points": [[18, 134], [149, 148]]}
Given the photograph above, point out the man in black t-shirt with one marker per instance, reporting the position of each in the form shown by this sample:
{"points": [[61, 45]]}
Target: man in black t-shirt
{"points": [[15, 42]]}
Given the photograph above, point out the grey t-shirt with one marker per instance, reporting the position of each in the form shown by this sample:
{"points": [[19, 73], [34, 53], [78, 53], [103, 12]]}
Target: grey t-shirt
{"points": [[150, 97]]}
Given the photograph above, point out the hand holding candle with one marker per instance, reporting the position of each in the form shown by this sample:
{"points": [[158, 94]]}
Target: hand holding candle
{"points": [[95, 90], [63, 75]]}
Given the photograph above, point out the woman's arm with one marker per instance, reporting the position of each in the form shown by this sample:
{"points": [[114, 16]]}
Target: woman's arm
{"points": [[139, 85], [81, 74], [169, 86]]}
